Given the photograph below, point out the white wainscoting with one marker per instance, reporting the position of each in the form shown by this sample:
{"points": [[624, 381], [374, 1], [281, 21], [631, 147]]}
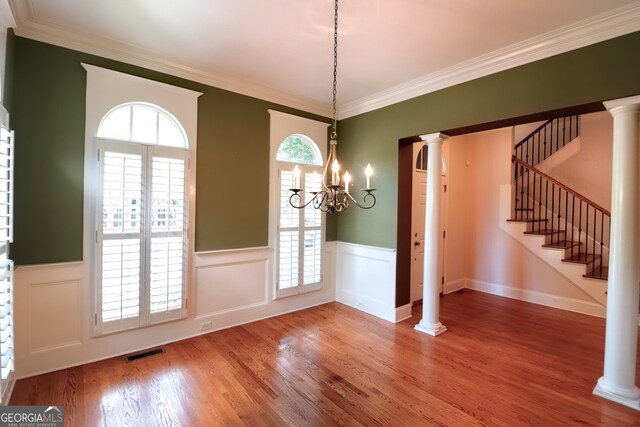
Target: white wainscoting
{"points": [[366, 280], [54, 315]]}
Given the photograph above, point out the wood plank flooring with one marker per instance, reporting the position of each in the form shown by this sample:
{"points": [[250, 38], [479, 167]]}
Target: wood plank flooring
{"points": [[501, 363]]}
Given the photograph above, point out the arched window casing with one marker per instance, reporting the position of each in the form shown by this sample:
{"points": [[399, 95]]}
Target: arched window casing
{"points": [[139, 185]]}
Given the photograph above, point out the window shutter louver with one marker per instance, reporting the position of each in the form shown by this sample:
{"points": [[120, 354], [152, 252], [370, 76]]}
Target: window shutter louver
{"points": [[6, 318], [121, 231], [299, 264], [142, 235], [7, 357], [312, 233], [6, 185], [167, 234]]}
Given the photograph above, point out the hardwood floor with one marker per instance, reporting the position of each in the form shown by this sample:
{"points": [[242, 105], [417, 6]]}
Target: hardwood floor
{"points": [[501, 363]]}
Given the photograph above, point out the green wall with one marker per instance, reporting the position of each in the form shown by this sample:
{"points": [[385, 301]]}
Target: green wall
{"points": [[603, 71], [45, 94]]}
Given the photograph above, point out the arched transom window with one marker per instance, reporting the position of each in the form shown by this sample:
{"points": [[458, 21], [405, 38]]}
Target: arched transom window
{"points": [[142, 123], [299, 149]]}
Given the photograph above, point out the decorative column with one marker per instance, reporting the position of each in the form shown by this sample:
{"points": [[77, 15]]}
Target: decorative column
{"points": [[618, 380], [430, 323]]}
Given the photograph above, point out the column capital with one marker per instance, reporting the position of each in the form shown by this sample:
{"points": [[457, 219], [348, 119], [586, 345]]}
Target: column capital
{"points": [[616, 105], [434, 137]]}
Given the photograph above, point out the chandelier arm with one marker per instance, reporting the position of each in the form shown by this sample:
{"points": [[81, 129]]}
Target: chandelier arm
{"points": [[342, 200], [297, 193], [364, 204], [320, 203]]}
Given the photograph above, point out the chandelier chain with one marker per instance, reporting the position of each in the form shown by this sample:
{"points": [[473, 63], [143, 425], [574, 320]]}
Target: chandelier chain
{"points": [[334, 132], [332, 197]]}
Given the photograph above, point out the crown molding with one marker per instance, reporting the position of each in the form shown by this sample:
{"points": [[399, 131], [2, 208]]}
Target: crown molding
{"points": [[7, 19], [599, 28], [31, 27], [602, 27]]}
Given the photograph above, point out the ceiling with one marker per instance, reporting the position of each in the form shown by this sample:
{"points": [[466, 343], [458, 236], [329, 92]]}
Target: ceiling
{"points": [[281, 50]]}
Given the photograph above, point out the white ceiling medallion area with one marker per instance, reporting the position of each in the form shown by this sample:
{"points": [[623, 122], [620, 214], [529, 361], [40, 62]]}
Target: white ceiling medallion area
{"points": [[614, 23]]}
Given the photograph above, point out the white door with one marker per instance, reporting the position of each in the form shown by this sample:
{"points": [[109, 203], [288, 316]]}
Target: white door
{"points": [[418, 206]]}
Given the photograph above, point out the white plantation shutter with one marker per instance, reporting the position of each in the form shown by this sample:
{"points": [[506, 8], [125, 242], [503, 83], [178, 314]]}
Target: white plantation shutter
{"points": [[6, 318], [300, 235], [120, 231], [168, 232], [6, 185], [6, 265], [312, 227], [141, 235], [288, 248]]}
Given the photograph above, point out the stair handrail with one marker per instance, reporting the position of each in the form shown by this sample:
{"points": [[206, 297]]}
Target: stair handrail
{"points": [[526, 138], [561, 185], [547, 139]]}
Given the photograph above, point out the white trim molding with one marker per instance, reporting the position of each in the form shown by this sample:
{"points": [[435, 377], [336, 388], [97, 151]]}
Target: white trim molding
{"points": [[7, 19], [599, 28], [608, 25], [32, 27], [403, 312], [549, 300]]}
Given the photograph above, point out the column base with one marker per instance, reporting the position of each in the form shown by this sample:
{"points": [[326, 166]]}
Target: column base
{"points": [[626, 397], [430, 328]]}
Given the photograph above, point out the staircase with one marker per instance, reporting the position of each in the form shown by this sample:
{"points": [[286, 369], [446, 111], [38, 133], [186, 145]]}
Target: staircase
{"points": [[554, 216]]}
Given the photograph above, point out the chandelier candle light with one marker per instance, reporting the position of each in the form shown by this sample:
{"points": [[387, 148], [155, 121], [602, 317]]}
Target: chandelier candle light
{"points": [[333, 197]]}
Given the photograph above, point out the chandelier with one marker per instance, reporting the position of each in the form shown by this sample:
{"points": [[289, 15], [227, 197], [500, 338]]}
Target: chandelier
{"points": [[333, 196]]}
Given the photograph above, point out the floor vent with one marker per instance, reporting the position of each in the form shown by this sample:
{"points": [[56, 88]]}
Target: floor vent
{"points": [[144, 354]]}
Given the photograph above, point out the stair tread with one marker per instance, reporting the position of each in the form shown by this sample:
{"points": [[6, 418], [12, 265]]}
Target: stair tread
{"points": [[544, 232], [561, 244], [598, 274], [524, 209], [581, 258], [527, 220]]}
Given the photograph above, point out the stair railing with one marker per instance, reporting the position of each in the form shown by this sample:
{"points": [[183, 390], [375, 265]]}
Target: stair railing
{"points": [[546, 139], [565, 216]]}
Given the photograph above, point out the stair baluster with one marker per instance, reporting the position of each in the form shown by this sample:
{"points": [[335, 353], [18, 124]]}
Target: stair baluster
{"points": [[588, 245]]}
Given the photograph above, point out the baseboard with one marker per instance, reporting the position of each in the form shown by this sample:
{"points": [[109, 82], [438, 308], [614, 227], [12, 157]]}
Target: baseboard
{"points": [[454, 286], [6, 395], [403, 312], [555, 301], [368, 305]]}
